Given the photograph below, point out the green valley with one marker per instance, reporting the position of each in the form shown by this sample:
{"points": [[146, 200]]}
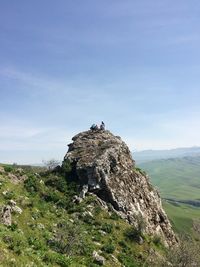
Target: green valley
{"points": [[177, 179]]}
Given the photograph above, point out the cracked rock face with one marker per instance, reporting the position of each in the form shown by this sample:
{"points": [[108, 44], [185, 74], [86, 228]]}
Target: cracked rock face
{"points": [[102, 163]]}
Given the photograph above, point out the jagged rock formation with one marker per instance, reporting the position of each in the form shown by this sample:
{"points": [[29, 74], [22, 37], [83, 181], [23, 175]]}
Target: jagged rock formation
{"points": [[102, 163]]}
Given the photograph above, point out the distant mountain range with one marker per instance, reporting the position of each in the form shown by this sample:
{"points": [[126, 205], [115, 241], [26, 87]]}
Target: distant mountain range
{"points": [[149, 155]]}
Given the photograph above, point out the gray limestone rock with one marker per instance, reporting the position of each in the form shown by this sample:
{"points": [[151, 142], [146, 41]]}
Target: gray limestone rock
{"points": [[6, 217], [14, 207], [102, 164], [100, 260]]}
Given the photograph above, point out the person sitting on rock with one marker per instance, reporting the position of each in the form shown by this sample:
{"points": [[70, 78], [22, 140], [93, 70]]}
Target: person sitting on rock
{"points": [[102, 126], [94, 127]]}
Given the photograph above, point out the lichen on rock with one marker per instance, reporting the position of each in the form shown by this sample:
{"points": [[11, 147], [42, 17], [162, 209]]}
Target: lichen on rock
{"points": [[102, 164]]}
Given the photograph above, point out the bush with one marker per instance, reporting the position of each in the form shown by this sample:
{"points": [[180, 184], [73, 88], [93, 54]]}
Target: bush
{"points": [[35, 243], [123, 244], [108, 248], [87, 218], [140, 171], [136, 233], [32, 184], [67, 240], [8, 168], [186, 254], [127, 260], [107, 227], [66, 166], [114, 216], [15, 243], [58, 182], [97, 210], [51, 196], [9, 195], [133, 234], [157, 240], [13, 227], [55, 258], [97, 237]]}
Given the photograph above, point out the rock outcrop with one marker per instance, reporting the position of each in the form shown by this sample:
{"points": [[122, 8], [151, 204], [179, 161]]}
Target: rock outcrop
{"points": [[102, 164], [6, 212], [5, 215]]}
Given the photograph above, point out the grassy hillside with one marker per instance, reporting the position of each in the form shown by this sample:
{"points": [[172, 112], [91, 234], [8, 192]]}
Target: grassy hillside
{"points": [[178, 179], [54, 231], [182, 217]]}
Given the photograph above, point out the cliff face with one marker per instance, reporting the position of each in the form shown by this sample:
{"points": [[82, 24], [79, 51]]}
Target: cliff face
{"points": [[102, 164]]}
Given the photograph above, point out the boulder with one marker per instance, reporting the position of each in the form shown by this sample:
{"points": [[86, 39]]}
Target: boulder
{"points": [[5, 214], [100, 260]]}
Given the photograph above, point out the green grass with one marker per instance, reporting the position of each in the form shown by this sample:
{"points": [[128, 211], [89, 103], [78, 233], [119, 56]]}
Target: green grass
{"points": [[182, 216], [176, 178], [53, 231], [179, 179]]}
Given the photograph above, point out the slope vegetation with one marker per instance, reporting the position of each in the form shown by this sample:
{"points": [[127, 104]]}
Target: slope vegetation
{"points": [[46, 227]]}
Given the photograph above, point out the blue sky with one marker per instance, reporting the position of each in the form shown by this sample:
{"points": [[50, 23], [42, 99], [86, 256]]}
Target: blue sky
{"points": [[67, 64]]}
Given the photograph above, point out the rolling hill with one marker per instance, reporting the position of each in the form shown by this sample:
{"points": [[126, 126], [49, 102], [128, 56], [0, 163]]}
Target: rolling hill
{"points": [[178, 181], [149, 155], [177, 178]]}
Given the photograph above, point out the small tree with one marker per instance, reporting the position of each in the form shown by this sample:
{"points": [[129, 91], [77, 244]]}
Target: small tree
{"points": [[51, 164], [184, 254]]}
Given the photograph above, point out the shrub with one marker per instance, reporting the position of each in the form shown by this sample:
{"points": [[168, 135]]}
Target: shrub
{"points": [[127, 260], [186, 254], [114, 216], [32, 184], [132, 234], [140, 171], [58, 182], [13, 227], [51, 196], [67, 240], [123, 244], [8, 168], [51, 164], [97, 210], [87, 218], [55, 258], [15, 243], [66, 166], [35, 243], [157, 240], [108, 248], [97, 237], [9, 195], [107, 227], [136, 233]]}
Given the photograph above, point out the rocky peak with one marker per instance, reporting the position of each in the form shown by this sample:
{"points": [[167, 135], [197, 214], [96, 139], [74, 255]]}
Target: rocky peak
{"points": [[102, 164]]}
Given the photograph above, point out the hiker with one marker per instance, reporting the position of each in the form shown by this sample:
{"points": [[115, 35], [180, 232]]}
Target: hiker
{"points": [[94, 127], [102, 126]]}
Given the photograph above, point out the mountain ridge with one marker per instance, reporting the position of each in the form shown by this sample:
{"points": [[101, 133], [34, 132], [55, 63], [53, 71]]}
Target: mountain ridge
{"points": [[149, 155]]}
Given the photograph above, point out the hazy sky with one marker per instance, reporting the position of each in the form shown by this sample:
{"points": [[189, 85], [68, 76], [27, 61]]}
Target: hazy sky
{"points": [[67, 64]]}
